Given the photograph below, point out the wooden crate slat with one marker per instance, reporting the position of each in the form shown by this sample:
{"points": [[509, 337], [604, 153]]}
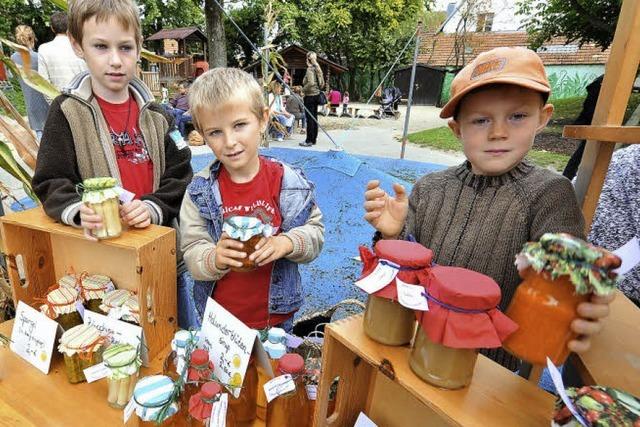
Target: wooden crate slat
{"points": [[621, 134]]}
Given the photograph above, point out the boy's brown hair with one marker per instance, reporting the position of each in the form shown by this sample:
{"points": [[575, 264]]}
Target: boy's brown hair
{"points": [[124, 11]]}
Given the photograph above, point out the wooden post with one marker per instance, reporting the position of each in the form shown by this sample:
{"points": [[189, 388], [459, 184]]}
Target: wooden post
{"points": [[620, 73]]}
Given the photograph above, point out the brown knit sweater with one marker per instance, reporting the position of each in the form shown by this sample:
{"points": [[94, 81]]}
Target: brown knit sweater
{"points": [[481, 222]]}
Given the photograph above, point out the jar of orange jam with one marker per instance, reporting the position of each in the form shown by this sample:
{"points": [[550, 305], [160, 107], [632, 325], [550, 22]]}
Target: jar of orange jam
{"points": [[561, 272], [385, 320]]}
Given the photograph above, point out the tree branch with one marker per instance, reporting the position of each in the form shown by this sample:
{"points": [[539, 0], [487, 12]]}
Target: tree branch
{"points": [[593, 20]]}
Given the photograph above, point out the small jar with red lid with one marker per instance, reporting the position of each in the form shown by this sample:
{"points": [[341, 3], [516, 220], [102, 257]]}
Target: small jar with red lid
{"points": [[199, 371], [385, 320], [201, 405], [462, 318], [290, 409]]}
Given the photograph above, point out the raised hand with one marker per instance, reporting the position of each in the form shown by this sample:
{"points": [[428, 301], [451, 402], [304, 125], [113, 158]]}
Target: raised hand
{"points": [[385, 213]]}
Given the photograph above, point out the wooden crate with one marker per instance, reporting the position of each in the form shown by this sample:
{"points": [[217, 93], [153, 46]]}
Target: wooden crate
{"points": [[496, 396], [143, 261]]}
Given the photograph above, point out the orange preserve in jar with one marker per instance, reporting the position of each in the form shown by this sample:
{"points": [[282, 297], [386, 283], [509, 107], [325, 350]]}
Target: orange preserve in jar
{"points": [[462, 317], [245, 405], [560, 272], [290, 409], [202, 404], [385, 320], [248, 231]]}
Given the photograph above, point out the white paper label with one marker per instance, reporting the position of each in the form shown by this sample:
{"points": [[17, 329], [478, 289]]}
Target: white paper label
{"points": [[312, 391], [33, 336], [558, 383], [80, 309], [125, 196], [411, 296], [96, 372], [278, 386], [378, 278], [364, 421], [110, 287], [128, 410], [630, 255], [117, 331], [219, 412]]}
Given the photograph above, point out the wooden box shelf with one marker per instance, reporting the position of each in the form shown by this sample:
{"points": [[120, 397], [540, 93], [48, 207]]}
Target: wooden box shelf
{"points": [[143, 261], [496, 396]]}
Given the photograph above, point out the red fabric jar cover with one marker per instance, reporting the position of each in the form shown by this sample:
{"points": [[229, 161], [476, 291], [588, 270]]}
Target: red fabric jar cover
{"points": [[413, 258], [200, 367], [201, 403], [463, 310], [291, 363]]}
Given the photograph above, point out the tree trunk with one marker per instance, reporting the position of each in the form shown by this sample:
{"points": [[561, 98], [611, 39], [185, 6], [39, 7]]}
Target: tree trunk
{"points": [[352, 83], [215, 34]]}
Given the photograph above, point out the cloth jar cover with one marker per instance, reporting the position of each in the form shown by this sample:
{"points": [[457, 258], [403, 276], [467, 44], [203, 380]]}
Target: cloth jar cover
{"points": [[245, 227], [122, 360], [151, 395], [60, 301]]}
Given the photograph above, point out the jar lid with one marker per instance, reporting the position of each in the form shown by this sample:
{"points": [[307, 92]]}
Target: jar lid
{"points": [[404, 253], [153, 391], [276, 335], [465, 289], [181, 338], [275, 350], [63, 296], [116, 298], [119, 355], [80, 338], [68, 281], [210, 390], [132, 303], [199, 357], [291, 363], [100, 183], [96, 282]]}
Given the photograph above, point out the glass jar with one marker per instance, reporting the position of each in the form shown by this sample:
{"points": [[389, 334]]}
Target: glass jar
{"points": [[60, 305], [179, 343], [93, 289], [123, 363], [248, 247], [244, 406], [201, 404], [81, 347], [290, 409], [388, 322], [154, 397], [114, 300], [101, 196], [275, 348], [248, 231]]}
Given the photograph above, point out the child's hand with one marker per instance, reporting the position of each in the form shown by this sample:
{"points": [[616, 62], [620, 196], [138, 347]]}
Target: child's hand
{"points": [[89, 220], [135, 214], [386, 214], [271, 249], [228, 253], [589, 323]]}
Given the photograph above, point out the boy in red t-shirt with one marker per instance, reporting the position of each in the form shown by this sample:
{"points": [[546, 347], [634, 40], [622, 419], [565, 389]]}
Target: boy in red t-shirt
{"points": [[229, 111]]}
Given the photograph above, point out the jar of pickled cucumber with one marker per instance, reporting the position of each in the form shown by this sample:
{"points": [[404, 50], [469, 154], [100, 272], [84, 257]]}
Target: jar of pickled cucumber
{"points": [[101, 195], [93, 289], [60, 305], [201, 407], [123, 362], [385, 319], [155, 400], [82, 348], [290, 409], [462, 318], [113, 301]]}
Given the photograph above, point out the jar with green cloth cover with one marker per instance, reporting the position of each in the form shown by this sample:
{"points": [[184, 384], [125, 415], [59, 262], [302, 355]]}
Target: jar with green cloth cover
{"points": [[155, 399], [60, 305], [101, 195], [82, 348], [123, 362]]}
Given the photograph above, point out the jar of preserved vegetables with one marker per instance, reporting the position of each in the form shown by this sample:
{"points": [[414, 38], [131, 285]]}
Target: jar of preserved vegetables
{"points": [[123, 363], [82, 348], [60, 305], [101, 195]]}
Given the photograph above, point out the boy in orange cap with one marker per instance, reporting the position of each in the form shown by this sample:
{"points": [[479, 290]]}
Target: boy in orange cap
{"points": [[479, 214]]}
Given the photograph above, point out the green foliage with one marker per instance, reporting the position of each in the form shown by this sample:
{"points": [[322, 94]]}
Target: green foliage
{"points": [[20, 12], [159, 14], [567, 109], [584, 21], [15, 96]]}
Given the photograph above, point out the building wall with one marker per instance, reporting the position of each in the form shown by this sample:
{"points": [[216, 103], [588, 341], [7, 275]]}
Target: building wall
{"points": [[505, 18]]}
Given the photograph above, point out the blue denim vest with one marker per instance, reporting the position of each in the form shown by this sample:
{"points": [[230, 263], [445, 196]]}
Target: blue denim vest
{"points": [[296, 203]]}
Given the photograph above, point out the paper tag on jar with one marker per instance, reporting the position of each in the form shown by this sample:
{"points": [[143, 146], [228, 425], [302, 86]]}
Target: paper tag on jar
{"points": [[96, 372], [411, 296], [128, 410], [312, 391], [125, 196], [556, 377], [383, 274], [219, 412], [80, 309], [278, 386]]}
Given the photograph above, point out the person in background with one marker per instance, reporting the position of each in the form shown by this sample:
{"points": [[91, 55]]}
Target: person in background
{"points": [[311, 86], [278, 111], [37, 106], [57, 61], [179, 108], [335, 98], [165, 94], [345, 102], [200, 65], [295, 106]]}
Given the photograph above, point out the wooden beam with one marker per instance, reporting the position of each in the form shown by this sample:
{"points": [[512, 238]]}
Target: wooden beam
{"points": [[624, 134], [620, 72]]}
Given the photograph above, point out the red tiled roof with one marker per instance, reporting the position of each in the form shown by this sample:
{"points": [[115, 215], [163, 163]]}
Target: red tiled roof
{"points": [[439, 50], [177, 34]]}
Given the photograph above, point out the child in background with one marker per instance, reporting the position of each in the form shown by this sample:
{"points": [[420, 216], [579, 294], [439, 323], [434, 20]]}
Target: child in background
{"points": [[165, 94], [295, 106], [478, 215], [345, 102], [230, 113]]}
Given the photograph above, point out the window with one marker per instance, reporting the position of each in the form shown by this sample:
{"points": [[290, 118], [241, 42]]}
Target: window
{"points": [[451, 7], [485, 22]]}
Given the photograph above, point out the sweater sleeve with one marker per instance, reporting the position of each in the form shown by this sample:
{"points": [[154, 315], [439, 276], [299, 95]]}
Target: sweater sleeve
{"points": [[56, 174], [307, 239], [166, 200]]}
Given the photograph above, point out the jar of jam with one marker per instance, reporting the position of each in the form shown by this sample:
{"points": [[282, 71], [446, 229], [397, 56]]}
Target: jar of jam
{"points": [[60, 305], [562, 272], [385, 320], [93, 289], [101, 195], [123, 362], [202, 404], [290, 409], [248, 231], [462, 317], [155, 401], [82, 348], [244, 406]]}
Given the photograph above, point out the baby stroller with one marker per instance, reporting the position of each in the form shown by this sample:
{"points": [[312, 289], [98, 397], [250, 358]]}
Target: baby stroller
{"points": [[389, 103]]}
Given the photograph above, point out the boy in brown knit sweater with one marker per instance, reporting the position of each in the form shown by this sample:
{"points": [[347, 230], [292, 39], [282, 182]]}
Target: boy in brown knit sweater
{"points": [[479, 214]]}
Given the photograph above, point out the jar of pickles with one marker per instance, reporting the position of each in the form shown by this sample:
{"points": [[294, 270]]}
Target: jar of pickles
{"points": [[155, 400], [123, 363], [290, 409], [101, 195], [93, 289], [248, 231], [244, 406], [113, 301], [462, 317], [60, 305], [201, 407], [559, 272], [385, 320], [82, 348]]}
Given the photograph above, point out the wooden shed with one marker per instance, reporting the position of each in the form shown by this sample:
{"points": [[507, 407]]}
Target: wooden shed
{"points": [[427, 86]]}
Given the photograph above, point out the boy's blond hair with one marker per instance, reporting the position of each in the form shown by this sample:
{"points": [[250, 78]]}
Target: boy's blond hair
{"points": [[221, 85], [124, 11]]}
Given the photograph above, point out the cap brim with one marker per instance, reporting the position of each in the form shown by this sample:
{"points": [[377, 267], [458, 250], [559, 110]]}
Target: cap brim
{"points": [[450, 107]]}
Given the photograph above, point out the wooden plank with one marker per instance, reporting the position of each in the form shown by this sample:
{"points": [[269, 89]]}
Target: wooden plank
{"points": [[620, 73], [622, 134]]}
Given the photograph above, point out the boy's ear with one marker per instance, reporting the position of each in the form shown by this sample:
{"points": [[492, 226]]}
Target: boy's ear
{"points": [[77, 47], [545, 115], [265, 119], [455, 127]]}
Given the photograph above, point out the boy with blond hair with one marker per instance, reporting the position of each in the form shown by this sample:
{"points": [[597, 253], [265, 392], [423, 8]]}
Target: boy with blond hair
{"points": [[478, 215], [230, 113]]}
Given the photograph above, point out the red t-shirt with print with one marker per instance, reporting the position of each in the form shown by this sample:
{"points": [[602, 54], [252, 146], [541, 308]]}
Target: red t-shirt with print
{"points": [[246, 295], [134, 162]]}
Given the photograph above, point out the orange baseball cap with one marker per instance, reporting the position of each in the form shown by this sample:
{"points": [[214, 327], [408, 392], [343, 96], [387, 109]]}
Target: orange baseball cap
{"points": [[508, 65]]}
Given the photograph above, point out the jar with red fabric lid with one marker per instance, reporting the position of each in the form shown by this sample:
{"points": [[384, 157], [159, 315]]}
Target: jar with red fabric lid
{"points": [[385, 320], [290, 409], [201, 406], [462, 318], [199, 371]]}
